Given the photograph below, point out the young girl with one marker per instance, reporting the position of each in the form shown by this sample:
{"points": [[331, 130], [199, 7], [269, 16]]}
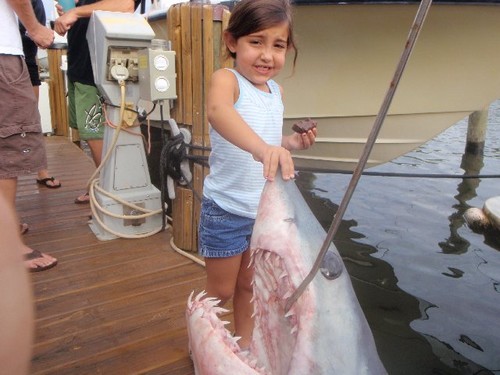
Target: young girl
{"points": [[245, 111]]}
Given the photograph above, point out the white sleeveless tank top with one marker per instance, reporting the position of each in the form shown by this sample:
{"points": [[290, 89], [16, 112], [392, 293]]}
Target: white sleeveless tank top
{"points": [[236, 180]]}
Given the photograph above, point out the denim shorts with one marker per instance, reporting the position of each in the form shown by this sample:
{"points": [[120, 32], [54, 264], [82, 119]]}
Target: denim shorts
{"points": [[222, 234]]}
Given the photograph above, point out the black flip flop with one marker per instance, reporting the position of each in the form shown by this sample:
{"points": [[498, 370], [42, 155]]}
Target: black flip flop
{"points": [[44, 181]]}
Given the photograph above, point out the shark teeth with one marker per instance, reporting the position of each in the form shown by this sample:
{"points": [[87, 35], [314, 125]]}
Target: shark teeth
{"points": [[236, 339], [220, 310], [199, 303], [273, 285], [254, 311], [199, 296], [190, 301]]}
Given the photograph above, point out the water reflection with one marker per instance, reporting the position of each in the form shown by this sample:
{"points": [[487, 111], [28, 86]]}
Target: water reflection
{"points": [[472, 165], [388, 309]]}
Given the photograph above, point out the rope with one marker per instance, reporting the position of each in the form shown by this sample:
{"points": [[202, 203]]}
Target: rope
{"points": [[200, 159], [173, 152], [186, 254], [399, 174]]}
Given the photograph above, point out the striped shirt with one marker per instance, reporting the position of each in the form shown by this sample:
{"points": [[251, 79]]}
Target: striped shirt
{"points": [[236, 180]]}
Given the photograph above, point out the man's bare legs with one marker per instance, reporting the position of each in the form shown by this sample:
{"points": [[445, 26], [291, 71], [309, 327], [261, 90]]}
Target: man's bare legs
{"points": [[16, 304], [43, 175], [36, 260], [95, 146]]}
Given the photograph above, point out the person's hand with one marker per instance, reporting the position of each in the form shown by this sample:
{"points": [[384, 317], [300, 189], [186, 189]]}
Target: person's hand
{"points": [[59, 9], [42, 36], [273, 157], [64, 22], [302, 141]]}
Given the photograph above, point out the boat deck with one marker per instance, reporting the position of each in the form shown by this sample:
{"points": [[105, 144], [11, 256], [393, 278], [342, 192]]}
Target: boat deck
{"points": [[112, 307]]}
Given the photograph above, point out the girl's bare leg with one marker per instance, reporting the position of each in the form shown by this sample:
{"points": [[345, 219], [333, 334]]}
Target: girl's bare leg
{"points": [[228, 277]]}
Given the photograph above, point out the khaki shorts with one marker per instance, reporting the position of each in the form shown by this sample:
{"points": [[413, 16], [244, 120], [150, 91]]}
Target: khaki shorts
{"points": [[22, 148], [85, 111]]}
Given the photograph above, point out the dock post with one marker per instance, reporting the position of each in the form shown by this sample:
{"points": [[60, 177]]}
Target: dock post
{"points": [[476, 132], [195, 30], [57, 90]]}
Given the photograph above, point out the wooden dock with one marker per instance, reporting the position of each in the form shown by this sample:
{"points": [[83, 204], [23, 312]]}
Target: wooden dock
{"points": [[112, 307], [117, 307]]}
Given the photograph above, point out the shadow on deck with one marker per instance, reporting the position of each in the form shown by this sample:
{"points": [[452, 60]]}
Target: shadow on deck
{"points": [[113, 307]]}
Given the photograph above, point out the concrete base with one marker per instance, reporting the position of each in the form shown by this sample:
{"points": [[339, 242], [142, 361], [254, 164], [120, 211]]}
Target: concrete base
{"points": [[149, 198]]}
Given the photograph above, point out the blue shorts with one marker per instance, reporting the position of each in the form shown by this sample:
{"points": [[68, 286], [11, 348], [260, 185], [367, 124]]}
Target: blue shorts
{"points": [[222, 234]]}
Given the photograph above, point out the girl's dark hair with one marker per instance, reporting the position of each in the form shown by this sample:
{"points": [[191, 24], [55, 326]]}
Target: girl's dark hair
{"points": [[251, 16]]}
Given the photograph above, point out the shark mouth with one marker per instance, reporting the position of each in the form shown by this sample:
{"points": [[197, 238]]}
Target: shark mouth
{"points": [[276, 332], [281, 338], [211, 342]]}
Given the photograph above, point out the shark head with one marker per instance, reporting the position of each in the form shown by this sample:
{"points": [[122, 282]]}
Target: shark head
{"points": [[323, 332]]}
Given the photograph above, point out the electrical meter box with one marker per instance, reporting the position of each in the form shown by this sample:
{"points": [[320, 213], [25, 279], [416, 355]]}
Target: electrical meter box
{"points": [[116, 38], [157, 72], [124, 189]]}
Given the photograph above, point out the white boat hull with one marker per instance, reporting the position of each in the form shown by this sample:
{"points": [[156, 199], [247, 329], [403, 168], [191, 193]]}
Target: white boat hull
{"points": [[347, 58]]}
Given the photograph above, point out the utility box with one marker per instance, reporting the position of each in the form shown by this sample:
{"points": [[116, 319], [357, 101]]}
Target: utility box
{"points": [[125, 202], [116, 38], [157, 72]]}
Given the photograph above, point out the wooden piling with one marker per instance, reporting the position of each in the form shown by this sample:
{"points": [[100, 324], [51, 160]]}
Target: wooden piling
{"points": [[195, 31], [57, 91], [476, 132]]}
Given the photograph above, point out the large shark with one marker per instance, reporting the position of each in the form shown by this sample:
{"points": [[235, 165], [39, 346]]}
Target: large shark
{"points": [[324, 332]]}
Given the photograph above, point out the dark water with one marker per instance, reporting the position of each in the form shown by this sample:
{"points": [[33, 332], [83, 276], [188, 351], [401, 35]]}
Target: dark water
{"points": [[428, 284]]}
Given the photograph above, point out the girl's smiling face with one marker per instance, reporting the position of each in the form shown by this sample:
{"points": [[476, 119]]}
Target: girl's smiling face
{"points": [[260, 56]]}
